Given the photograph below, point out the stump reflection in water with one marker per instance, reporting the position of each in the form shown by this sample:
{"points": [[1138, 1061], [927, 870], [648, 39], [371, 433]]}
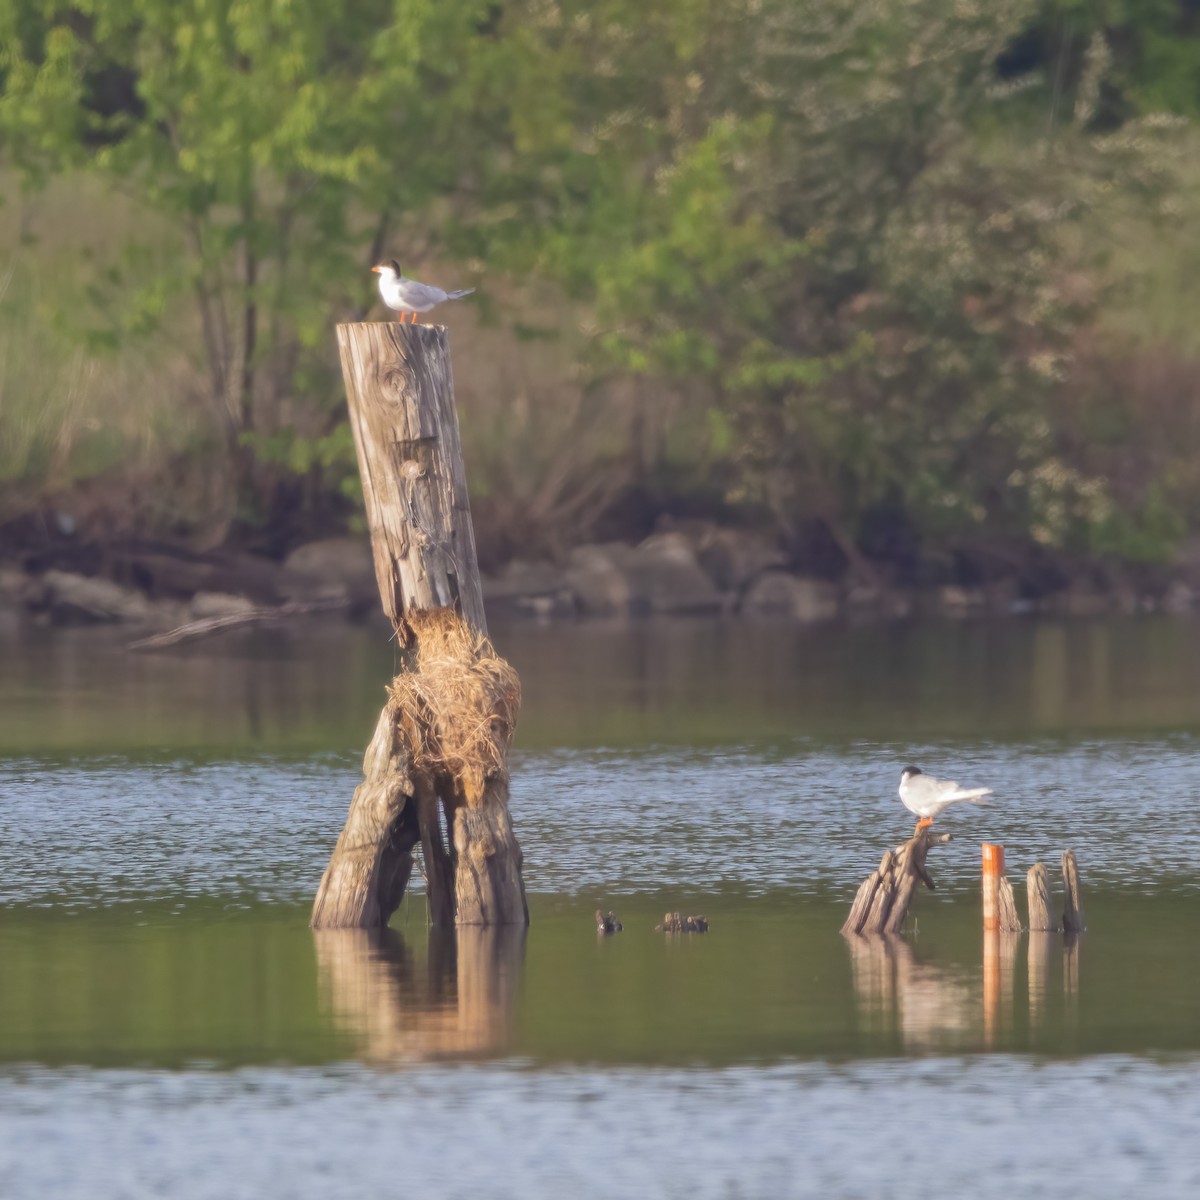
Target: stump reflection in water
{"points": [[932, 1008], [941, 1008], [457, 1003]]}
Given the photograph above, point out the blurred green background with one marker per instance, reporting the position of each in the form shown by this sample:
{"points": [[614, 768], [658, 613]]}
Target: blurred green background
{"points": [[899, 282]]}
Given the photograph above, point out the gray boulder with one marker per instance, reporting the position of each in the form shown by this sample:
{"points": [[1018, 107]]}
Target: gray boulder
{"points": [[1179, 598], [529, 589], [952, 600], [331, 569], [733, 558], [599, 577], [778, 594], [1079, 599], [666, 577], [72, 599], [15, 587]]}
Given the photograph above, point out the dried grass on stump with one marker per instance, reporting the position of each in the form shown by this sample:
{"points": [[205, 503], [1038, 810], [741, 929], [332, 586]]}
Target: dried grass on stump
{"points": [[456, 705]]}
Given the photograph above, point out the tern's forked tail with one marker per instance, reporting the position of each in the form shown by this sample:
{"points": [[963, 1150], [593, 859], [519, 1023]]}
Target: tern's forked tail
{"points": [[459, 294], [974, 795]]}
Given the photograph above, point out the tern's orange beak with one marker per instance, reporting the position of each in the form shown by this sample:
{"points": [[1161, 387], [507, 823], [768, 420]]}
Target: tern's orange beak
{"points": [[376, 269]]}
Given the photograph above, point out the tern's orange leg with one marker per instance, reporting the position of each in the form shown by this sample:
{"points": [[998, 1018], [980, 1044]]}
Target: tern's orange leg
{"points": [[924, 822]]}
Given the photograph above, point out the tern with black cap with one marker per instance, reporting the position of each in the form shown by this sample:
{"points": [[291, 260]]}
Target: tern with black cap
{"points": [[927, 797], [407, 296]]}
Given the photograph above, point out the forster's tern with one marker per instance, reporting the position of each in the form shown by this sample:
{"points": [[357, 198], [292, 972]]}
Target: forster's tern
{"points": [[926, 796], [407, 295]]}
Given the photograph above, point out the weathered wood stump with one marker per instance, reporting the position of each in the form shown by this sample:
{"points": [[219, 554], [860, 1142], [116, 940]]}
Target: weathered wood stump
{"points": [[1037, 887], [884, 897], [435, 774], [1072, 904], [1010, 922], [999, 904]]}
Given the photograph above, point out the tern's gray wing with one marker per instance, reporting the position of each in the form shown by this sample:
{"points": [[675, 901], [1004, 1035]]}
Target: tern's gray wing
{"points": [[421, 293], [930, 785]]}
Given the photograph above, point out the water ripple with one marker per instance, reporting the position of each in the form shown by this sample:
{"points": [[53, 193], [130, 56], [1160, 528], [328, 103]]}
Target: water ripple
{"points": [[1114, 1127], [101, 831]]}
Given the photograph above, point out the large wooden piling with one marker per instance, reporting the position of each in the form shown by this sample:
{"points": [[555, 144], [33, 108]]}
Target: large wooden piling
{"points": [[437, 761], [405, 426]]}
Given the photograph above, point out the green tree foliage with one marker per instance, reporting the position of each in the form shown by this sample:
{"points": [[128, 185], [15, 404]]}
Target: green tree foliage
{"points": [[814, 213], [858, 233], [277, 143]]}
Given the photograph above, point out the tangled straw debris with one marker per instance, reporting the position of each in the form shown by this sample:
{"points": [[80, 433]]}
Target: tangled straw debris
{"points": [[456, 703]]}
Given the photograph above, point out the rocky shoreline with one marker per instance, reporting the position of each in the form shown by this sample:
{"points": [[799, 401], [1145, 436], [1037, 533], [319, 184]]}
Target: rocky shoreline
{"points": [[708, 571]]}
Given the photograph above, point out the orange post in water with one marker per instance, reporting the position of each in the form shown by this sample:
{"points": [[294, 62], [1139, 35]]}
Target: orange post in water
{"points": [[993, 870]]}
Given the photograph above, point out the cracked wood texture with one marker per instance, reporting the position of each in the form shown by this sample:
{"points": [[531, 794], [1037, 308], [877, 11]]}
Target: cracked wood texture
{"points": [[401, 401], [405, 426]]}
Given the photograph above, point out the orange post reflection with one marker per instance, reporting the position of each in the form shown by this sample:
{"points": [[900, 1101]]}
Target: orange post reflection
{"points": [[999, 957]]}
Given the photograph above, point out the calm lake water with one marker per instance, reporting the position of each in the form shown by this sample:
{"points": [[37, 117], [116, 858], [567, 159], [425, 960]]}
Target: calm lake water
{"points": [[170, 1027]]}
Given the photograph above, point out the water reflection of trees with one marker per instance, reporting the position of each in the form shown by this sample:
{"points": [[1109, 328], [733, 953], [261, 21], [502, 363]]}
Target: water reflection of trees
{"points": [[458, 1001]]}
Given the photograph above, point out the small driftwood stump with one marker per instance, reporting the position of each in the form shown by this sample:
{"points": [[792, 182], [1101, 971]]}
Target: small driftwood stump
{"points": [[884, 896], [1072, 905], [435, 774], [1037, 886], [1010, 922], [674, 922]]}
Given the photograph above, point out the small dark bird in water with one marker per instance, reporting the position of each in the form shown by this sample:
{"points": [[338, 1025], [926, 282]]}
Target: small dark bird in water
{"points": [[607, 923]]}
